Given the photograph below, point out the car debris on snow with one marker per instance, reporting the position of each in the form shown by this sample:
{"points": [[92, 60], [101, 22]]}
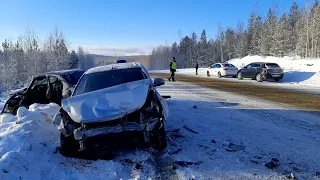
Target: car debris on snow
{"points": [[189, 129], [176, 151], [234, 147], [272, 164], [186, 163], [291, 176]]}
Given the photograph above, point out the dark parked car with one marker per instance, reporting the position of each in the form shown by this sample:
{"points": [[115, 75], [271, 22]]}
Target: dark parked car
{"points": [[260, 71], [113, 106], [44, 89]]}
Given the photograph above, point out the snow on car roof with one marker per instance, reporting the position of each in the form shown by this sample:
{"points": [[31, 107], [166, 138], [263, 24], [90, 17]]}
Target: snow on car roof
{"points": [[113, 66]]}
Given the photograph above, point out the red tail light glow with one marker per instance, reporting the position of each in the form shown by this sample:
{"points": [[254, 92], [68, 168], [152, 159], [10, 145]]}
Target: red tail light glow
{"points": [[225, 68]]}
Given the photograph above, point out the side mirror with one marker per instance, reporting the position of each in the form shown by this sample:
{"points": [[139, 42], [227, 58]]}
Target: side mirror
{"points": [[67, 93], [158, 82]]}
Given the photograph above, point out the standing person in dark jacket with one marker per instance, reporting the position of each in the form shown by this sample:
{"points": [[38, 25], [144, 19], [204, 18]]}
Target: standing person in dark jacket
{"points": [[172, 66], [197, 66]]}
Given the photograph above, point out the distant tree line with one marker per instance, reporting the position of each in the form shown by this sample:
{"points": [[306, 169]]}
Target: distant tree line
{"points": [[296, 33], [26, 57]]}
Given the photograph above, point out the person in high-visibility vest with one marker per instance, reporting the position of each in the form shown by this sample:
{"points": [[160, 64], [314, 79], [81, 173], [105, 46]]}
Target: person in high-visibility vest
{"points": [[172, 66]]}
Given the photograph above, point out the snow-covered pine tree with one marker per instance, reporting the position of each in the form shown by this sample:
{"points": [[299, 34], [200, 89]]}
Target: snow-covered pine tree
{"points": [[74, 60], [281, 37], [256, 39], [293, 18]]}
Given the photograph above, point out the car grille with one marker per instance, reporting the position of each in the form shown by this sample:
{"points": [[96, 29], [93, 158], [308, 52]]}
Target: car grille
{"points": [[132, 117]]}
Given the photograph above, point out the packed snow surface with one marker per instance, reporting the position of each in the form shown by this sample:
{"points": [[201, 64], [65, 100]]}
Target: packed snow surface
{"points": [[211, 135]]}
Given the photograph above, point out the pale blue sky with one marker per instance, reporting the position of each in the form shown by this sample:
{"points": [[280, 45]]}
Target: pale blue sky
{"points": [[129, 26]]}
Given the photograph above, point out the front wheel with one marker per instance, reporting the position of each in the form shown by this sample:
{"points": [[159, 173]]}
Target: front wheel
{"points": [[68, 146], [240, 77], [159, 139], [208, 73], [219, 74]]}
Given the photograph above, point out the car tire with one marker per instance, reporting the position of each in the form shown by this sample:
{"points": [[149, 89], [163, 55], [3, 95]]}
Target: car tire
{"points": [[240, 77], [159, 137], [208, 73], [219, 74], [259, 77], [68, 146]]}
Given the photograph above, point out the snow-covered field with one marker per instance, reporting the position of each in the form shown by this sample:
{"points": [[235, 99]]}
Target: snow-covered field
{"points": [[299, 73], [215, 135]]}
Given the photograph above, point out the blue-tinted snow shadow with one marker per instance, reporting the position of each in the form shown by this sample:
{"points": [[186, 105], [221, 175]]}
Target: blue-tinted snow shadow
{"points": [[297, 76]]}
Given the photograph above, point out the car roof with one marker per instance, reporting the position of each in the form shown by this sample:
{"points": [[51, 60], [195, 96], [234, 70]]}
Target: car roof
{"points": [[64, 72], [114, 67], [60, 73], [263, 63]]}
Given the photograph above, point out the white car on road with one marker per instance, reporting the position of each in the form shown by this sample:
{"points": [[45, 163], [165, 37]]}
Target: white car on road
{"points": [[222, 70]]}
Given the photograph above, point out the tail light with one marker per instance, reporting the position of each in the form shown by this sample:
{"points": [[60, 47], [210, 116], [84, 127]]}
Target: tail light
{"points": [[225, 68]]}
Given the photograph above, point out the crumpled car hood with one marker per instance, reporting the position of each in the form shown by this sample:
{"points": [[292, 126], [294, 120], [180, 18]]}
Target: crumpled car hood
{"points": [[107, 104]]}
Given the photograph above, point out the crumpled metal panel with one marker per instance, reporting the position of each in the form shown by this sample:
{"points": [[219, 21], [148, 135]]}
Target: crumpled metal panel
{"points": [[107, 104], [82, 134]]}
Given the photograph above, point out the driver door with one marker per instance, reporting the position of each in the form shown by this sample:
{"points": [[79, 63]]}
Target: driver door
{"points": [[37, 92]]}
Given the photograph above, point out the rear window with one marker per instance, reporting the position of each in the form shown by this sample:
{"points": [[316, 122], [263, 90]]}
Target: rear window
{"points": [[101, 80], [272, 65], [228, 65]]}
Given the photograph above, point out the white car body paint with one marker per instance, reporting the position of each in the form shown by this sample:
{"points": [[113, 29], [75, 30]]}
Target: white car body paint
{"points": [[107, 104], [225, 71]]}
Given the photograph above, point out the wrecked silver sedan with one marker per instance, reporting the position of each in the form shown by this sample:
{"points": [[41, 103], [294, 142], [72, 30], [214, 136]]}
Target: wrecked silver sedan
{"points": [[112, 106]]}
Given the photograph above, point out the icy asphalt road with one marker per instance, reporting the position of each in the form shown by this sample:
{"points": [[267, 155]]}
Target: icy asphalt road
{"points": [[264, 129]]}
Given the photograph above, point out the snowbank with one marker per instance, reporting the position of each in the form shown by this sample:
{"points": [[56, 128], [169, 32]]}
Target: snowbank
{"points": [[301, 71], [24, 139], [287, 63], [29, 150]]}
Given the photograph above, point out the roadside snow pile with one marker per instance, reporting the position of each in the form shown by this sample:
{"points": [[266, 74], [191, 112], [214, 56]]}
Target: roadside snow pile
{"points": [[287, 63], [302, 71], [25, 139]]}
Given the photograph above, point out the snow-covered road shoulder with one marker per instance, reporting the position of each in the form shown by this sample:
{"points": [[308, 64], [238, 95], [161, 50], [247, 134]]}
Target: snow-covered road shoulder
{"points": [[25, 140]]}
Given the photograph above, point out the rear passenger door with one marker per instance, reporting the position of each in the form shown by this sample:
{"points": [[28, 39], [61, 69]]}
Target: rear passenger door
{"points": [[255, 69]]}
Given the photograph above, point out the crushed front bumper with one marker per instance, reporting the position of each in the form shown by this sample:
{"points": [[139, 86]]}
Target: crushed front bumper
{"points": [[81, 133]]}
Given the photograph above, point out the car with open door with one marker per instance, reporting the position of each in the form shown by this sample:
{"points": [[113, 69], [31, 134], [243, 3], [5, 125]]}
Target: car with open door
{"points": [[261, 71], [112, 106], [46, 88], [222, 70]]}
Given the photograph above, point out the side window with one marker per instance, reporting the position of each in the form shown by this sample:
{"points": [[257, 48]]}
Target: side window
{"points": [[53, 79], [218, 65], [256, 65], [39, 82], [249, 66]]}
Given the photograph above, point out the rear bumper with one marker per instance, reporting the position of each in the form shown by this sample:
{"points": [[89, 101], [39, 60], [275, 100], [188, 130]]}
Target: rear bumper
{"points": [[274, 75], [229, 73]]}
